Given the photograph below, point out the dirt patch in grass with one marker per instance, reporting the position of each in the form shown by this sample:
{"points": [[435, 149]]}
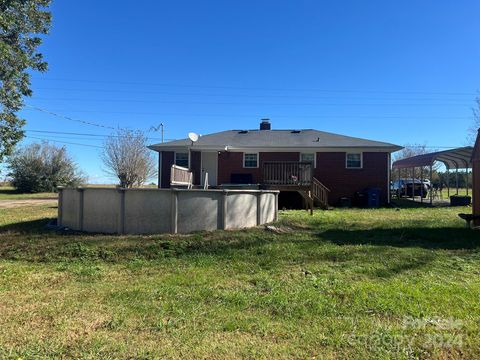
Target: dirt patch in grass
{"points": [[9, 204]]}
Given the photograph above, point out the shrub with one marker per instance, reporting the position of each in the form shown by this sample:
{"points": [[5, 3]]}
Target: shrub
{"points": [[42, 168]]}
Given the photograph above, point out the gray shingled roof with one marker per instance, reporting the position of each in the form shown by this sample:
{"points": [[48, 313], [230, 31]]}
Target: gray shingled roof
{"points": [[259, 139]]}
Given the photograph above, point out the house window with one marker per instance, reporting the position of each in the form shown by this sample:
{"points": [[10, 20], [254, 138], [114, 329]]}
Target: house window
{"points": [[308, 157], [354, 161], [181, 159], [250, 160]]}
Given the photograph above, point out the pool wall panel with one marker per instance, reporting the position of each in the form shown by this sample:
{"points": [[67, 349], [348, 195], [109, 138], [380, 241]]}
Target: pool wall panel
{"points": [[155, 211]]}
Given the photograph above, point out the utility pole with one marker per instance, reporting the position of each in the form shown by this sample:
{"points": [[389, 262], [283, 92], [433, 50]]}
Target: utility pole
{"points": [[162, 128]]}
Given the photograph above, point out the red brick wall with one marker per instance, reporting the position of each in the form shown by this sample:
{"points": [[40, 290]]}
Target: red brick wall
{"points": [[330, 170], [342, 182]]}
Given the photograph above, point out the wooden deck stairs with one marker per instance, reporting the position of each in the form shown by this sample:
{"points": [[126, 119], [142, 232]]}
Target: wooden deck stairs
{"points": [[296, 176], [316, 196]]}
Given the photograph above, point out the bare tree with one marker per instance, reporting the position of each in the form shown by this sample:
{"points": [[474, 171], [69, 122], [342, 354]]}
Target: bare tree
{"points": [[126, 157], [411, 150], [473, 130]]}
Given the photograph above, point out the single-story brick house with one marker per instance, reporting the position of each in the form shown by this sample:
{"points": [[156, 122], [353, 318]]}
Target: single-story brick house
{"points": [[343, 164]]}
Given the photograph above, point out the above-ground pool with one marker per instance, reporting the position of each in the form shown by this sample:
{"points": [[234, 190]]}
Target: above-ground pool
{"points": [[154, 211]]}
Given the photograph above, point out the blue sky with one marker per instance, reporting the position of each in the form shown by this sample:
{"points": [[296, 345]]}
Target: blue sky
{"points": [[402, 72]]}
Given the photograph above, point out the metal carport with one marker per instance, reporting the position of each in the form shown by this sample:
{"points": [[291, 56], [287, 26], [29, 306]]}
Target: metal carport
{"points": [[459, 158]]}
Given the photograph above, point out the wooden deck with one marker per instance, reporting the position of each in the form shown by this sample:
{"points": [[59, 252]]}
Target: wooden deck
{"points": [[277, 175], [296, 176], [287, 173]]}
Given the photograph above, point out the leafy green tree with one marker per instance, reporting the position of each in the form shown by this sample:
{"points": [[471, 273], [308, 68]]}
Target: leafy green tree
{"points": [[42, 168], [21, 23]]}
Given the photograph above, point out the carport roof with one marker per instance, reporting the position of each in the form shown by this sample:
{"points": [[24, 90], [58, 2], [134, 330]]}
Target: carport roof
{"points": [[460, 158]]}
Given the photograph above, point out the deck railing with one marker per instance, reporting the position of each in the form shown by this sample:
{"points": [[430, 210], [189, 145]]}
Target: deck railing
{"points": [[181, 176], [288, 173]]}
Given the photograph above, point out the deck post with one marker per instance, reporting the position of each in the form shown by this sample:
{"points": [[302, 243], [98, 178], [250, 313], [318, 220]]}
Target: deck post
{"points": [[466, 180], [399, 190], [413, 183], [421, 185], [431, 177], [448, 182], [456, 178]]}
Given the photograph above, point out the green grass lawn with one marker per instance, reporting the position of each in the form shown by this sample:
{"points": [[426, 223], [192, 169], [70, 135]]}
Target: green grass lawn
{"points": [[9, 193], [444, 193], [383, 283], [453, 191]]}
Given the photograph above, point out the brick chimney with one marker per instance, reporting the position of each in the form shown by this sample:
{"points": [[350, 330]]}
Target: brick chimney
{"points": [[265, 124]]}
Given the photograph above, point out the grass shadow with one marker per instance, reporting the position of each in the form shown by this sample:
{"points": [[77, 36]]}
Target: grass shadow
{"points": [[10, 191], [411, 204], [448, 238], [32, 227]]}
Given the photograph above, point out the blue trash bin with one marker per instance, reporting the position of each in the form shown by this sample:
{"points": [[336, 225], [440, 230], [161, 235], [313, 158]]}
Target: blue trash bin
{"points": [[373, 197]]}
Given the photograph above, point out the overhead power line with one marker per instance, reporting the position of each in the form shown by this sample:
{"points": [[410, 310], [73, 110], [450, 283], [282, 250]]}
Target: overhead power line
{"points": [[249, 95], [473, 93], [86, 134], [68, 117], [64, 142], [249, 103], [260, 115]]}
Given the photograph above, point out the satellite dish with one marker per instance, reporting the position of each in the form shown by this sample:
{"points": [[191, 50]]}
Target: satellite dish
{"points": [[193, 136]]}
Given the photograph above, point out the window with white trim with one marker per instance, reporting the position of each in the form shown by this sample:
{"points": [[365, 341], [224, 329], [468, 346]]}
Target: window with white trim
{"points": [[250, 160], [308, 157], [181, 159], [354, 161]]}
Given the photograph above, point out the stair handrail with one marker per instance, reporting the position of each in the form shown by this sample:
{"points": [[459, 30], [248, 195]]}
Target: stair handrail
{"points": [[320, 191]]}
